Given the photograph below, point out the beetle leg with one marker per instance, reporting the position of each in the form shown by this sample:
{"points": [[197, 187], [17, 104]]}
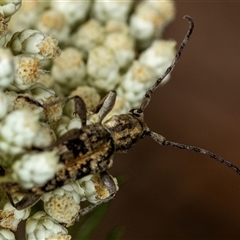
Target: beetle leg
{"points": [[27, 201], [105, 105]]}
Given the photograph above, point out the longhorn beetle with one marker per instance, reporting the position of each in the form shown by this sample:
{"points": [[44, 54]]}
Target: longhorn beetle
{"points": [[90, 149]]}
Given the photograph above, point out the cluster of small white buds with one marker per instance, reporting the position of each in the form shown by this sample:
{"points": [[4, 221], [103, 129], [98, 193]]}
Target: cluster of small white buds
{"points": [[41, 226], [104, 47]]}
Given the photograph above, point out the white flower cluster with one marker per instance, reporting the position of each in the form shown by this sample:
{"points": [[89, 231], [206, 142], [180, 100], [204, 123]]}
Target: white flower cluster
{"points": [[105, 45]]}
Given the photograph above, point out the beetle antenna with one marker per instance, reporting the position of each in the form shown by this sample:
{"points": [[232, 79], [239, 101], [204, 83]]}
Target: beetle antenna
{"points": [[161, 140], [147, 97]]}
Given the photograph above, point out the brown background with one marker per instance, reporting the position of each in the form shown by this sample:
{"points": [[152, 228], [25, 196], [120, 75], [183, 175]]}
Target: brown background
{"points": [[174, 194]]}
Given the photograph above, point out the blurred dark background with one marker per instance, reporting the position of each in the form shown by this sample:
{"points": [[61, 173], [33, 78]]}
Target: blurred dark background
{"points": [[174, 194]]}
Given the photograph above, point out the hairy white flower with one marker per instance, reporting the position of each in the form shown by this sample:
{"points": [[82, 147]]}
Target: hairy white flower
{"points": [[35, 44], [112, 9], [69, 69], [53, 22], [63, 204], [40, 226], [7, 72], [6, 234], [103, 68], [10, 217], [123, 48], [74, 11], [35, 169], [159, 56], [135, 82], [88, 36], [27, 71]]}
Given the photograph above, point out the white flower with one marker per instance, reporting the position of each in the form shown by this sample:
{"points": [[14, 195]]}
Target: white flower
{"points": [[53, 22], [146, 23], [165, 8], [135, 82], [63, 204], [88, 36], [40, 93], [89, 95], [35, 169], [113, 26], [112, 9], [18, 130], [27, 16], [6, 234], [123, 48], [94, 189], [7, 72], [27, 71], [34, 43], [40, 226], [9, 7], [10, 217], [103, 68], [159, 56], [74, 11], [69, 69]]}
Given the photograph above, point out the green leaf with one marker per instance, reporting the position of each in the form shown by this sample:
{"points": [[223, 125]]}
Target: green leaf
{"points": [[115, 234], [88, 224]]}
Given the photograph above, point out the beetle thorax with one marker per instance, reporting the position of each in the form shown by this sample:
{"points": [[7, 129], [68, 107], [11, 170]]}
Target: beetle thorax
{"points": [[125, 129]]}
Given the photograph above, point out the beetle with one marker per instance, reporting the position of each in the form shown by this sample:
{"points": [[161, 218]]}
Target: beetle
{"points": [[90, 149]]}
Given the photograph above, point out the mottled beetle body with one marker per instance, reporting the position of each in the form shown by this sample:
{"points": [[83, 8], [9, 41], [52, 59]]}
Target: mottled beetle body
{"points": [[90, 149]]}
